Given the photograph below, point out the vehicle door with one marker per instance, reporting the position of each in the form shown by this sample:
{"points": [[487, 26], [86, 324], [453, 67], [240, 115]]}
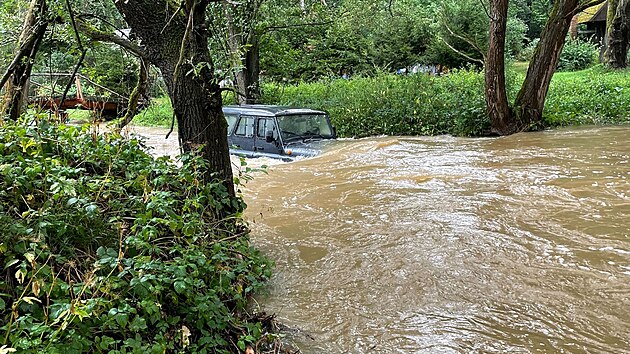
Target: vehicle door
{"points": [[266, 127], [243, 137]]}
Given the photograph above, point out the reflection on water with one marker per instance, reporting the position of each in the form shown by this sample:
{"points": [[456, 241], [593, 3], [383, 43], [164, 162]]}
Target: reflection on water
{"points": [[447, 245]]}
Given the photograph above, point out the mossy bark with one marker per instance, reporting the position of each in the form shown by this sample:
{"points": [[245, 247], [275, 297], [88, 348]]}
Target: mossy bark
{"points": [[618, 33], [33, 31], [175, 40]]}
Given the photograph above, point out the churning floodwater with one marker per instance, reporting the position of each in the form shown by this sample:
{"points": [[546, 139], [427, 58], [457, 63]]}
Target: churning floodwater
{"points": [[518, 244]]}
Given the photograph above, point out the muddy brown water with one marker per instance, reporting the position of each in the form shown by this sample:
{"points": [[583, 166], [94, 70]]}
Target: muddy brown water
{"points": [[448, 245]]}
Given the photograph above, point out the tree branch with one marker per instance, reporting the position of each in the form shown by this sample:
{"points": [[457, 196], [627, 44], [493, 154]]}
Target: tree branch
{"points": [[465, 39], [462, 53], [585, 6], [138, 92], [101, 36], [272, 28], [83, 53]]}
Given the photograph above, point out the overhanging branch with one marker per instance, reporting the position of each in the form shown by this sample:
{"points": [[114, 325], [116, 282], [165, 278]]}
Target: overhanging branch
{"points": [[101, 36]]}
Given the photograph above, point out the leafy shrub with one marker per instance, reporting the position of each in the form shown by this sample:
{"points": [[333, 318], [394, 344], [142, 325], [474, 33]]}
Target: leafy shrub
{"points": [[106, 249], [578, 55]]}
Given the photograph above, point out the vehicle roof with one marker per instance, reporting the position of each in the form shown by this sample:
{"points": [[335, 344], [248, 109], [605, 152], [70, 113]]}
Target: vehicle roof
{"points": [[268, 110]]}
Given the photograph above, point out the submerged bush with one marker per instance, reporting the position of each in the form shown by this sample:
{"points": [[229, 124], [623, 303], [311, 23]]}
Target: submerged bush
{"points": [[106, 249]]}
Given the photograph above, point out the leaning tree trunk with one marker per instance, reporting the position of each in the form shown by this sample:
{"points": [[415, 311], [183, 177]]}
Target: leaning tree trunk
{"points": [[501, 117], [18, 73], [176, 41], [530, 100], [618, 30]]}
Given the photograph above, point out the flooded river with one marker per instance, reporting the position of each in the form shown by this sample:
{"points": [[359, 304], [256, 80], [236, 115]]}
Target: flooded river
{"points": [[449, 245]]}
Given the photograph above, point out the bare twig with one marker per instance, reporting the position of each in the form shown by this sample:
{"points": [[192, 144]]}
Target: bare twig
{"points": [[485, 9], [180, 8]]}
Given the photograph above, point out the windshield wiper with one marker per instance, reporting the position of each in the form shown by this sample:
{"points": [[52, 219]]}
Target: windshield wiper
{"points": [[312, 136]]}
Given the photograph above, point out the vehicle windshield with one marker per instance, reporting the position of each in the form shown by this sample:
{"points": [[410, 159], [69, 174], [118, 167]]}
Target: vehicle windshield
{"points": [[304, 126]]}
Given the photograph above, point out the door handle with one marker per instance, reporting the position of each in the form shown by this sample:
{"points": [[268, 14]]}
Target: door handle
{"points": [[260, 148]]}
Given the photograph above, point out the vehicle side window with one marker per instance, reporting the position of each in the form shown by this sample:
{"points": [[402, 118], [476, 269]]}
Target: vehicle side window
{"points": [[231, 120], [245, 127], [263, 126]]}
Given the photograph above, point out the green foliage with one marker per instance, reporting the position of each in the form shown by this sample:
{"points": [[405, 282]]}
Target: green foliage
{"points": [[355, 37], [394, 105], [158, 113], [105, 249], [578, 54], [11, 17], [533, 14], [593, 96], [461, 33]]}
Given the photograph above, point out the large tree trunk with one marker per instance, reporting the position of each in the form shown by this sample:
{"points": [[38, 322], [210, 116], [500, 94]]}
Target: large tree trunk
{"points": [[618, 30], [19, 71], [176, 41], [530, 100], [498, 107]]}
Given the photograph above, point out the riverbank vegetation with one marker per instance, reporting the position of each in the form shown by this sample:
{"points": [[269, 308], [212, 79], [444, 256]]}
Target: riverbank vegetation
{"points": [[105, 249], [449, 104]]}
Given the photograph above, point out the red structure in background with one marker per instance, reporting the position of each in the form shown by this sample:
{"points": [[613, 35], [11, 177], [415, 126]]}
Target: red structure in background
{"points": [[109, 105]]}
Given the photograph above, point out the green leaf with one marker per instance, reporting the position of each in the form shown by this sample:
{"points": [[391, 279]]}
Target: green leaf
{"points": [[138, 324], [91, 209], [180, 286], [10, 263]]}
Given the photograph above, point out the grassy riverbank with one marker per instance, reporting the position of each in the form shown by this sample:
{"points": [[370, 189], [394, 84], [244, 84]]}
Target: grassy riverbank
{"points": [[450, 104], [105, 249]]}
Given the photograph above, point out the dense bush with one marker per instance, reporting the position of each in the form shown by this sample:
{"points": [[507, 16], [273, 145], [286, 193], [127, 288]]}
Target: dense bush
{"points": [[394, 105], [578, 55], [106, 249]]}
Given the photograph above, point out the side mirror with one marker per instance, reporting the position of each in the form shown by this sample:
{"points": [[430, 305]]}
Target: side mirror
{"points": [[269, 136]]}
